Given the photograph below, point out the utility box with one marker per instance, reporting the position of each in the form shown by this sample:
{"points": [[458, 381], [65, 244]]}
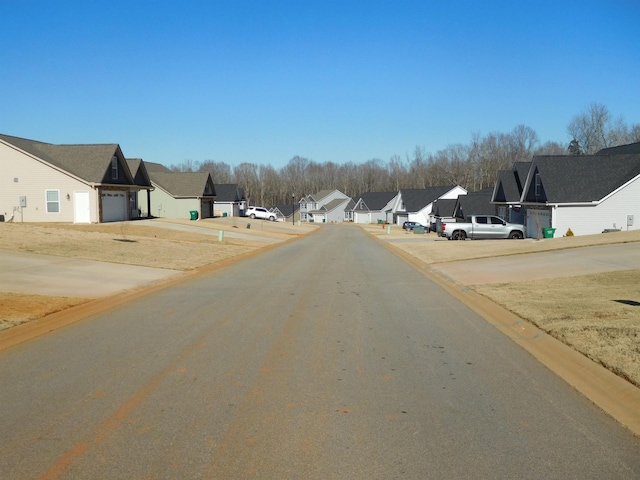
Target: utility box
{"points": [[23, 201], [629, 220]]}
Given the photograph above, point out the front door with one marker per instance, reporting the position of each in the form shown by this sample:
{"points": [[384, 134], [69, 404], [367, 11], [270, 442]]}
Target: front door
{"points": [[81, 207]]}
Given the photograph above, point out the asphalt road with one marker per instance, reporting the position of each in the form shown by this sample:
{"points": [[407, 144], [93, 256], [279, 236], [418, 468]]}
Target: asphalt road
{"points": [[326, 358]]}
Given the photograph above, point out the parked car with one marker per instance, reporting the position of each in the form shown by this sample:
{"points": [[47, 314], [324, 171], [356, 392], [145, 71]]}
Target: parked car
{"points": [[259, 212], [482, 226], [412, 225]]}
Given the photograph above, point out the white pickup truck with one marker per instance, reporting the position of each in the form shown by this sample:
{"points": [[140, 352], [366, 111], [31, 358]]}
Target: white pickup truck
{"points": [[482, 226]]}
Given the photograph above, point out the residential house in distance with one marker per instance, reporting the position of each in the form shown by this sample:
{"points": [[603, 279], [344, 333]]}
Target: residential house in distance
{"points": [[324, 206], [443, 212], [177, 194], [474, 203], [230, 200], [415, 205], [507, 193], [585, 193], [141, 178], [374, 207], [86, 183], [284, 212]]}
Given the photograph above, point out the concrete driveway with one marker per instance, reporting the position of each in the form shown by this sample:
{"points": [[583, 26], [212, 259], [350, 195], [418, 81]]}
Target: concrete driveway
{"points": [[30, 273], [534, 266]]}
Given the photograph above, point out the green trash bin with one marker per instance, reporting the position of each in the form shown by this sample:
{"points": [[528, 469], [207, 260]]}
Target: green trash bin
{"points": [[224, 214], [548, 232], [379, 221], [194, 214]]}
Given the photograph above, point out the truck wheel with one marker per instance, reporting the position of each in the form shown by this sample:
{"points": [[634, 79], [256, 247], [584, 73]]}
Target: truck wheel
{"points": [[458, 235], [272, 219], [253, 215], [516, 235]]}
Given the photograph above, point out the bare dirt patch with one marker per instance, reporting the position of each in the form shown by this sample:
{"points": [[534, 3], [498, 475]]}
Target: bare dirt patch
{"points": [[16, 309]]}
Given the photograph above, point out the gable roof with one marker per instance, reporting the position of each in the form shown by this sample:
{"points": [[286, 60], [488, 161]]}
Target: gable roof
{"points": [[184, 184], [333, 204], [444, 207], [475, 203], [629, 149], [508, 188], [139, 172], [90, 162], [373, 201], [156, 167], [229, 192], [416, 199], [578, 178]]}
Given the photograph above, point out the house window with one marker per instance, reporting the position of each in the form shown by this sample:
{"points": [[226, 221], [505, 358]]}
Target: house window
{"points": [[114, 168], [53, 201], [538, 185]]}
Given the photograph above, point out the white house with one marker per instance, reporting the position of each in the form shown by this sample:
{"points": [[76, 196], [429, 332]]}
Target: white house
{"points": [[585, 193], [415, 205], [324, 206]]}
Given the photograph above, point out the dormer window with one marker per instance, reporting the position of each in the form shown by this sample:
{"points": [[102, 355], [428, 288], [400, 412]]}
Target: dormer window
{"points": [[114, 168], [538, 185]]}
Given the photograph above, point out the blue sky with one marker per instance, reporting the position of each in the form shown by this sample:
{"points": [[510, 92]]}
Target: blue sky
{"points": [[344, 81]]}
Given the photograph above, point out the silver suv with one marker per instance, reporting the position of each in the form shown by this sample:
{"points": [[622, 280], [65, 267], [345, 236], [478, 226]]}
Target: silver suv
{"points": [[259, 212]]}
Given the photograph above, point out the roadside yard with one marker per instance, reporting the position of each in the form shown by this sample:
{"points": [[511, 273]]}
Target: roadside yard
{"points": [[177, 245], [596, 314]]}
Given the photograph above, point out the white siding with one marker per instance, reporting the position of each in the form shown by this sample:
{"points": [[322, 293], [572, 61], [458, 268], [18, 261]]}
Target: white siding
{"points": [[611, 213], [24, 176]]}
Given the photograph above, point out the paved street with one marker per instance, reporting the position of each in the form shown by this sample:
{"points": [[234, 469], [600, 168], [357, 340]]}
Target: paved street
{"points": [[325, 358]]}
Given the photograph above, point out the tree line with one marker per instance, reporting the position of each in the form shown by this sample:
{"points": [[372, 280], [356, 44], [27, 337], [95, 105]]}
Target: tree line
{"points": [[473, 165]]}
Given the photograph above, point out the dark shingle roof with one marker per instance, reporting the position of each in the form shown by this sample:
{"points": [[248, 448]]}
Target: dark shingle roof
{"points": [[228, 192], [475, 203], [629, 149], [444, 207], [510, 182], [418, 198], [376, 200], [580, 178]]}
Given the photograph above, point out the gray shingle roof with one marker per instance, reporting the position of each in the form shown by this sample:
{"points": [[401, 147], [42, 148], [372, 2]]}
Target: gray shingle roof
{"points": [[183, 184], [580, 178], [475, 203], [444, 207], [376, 201], [629, 149], [416, 199], [91, 162], [510, 183], [229, 192], [139, 172]]}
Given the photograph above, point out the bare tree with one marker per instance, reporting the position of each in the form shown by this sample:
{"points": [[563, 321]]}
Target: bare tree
{"points": [[595, 129]]}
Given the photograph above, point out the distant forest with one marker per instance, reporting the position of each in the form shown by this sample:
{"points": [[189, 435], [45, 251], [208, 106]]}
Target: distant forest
{"points": [[474, 165]]}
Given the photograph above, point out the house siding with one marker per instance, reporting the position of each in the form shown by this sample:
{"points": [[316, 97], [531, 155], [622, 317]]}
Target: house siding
{"points": [[609, 214], [164, 205], [34, 178]]}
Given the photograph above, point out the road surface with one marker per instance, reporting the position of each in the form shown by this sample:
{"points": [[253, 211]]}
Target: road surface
{"points": [[326, 358]]}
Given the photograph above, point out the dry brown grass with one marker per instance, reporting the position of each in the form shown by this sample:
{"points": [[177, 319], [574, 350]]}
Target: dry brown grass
{"points": [[597, 315], [127, 243]]}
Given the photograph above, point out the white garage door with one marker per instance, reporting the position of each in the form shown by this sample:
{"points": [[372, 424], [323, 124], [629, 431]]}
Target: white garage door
{"points": [[114, 206], [536, 221]]}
